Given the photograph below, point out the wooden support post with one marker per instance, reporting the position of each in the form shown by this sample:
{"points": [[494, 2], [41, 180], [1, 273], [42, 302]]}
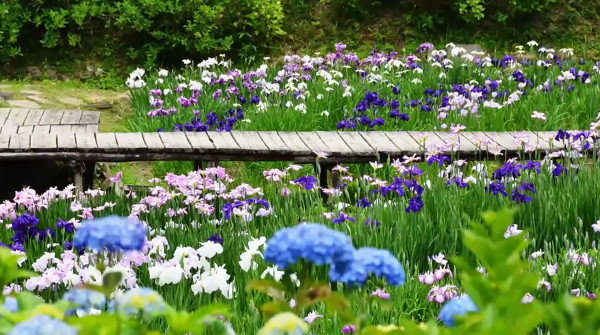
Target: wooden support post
{"points": [[323, 182], [198, 165], [77, 168], [213, 164], [335, 178]]}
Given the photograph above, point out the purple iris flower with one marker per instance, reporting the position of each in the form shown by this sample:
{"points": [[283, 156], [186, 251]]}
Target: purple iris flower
{"points": [[342, 217]]}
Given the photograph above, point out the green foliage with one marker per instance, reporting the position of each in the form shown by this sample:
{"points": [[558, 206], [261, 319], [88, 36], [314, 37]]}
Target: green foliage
{"points": [[497, 293], [143, 30]]}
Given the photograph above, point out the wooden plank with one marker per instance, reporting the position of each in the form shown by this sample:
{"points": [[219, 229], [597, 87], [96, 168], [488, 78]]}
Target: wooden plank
{"points": [[199, 141], [58, 129], [9, 128], [153, 141], [107, 141], [71, 117], [90, 118], [294, 143], [51, 117], [223, 141], [457, 142], [4, 140], [91, 128], [335, 144], [469, 141], [77, 128], [25, 130], [175, 141], [504, 140], [85, 141], [33, 118], [533, 138], [380, 143], [17, 116], [250, 141], [357, 143], [44, 141], [130, 141], [19, 142], [66, 141], [406, 142], [548, 140], [3, 115], [274, 142], [41, 129], [313, 141]]}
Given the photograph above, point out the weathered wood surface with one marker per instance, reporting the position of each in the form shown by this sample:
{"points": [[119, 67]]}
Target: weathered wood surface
{"points": [[55, 142], [30, 121]]}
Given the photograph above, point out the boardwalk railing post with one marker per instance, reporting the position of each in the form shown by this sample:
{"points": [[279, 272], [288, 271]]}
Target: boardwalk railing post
{"points": [[77, 168]]}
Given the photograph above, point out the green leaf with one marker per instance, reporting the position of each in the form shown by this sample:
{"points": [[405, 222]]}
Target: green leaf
{"points": [[270, 287], [111, 280], [274, 307], [28, 300]]}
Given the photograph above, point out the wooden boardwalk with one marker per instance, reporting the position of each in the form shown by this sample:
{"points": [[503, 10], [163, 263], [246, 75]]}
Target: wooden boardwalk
{"points": [[45, 121], [300, 147]]}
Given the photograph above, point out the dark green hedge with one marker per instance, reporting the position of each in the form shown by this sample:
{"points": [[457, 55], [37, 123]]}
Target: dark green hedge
{"points": [[166, 31]]}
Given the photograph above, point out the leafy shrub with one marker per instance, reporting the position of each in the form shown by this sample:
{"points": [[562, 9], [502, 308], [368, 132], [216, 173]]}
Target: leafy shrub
{"points": [[146, 30]]}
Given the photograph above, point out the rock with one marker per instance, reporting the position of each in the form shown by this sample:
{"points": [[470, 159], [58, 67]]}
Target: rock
{"points": [[34, 72], [70, 101], [6, 95], [123, 98], [51, 72], [39, 99], [101, 105], [31, 92], [22, 104]]}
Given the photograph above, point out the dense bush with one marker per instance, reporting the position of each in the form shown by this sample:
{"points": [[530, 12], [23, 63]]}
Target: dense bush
{"points": [[130, 32], [148, 30]]}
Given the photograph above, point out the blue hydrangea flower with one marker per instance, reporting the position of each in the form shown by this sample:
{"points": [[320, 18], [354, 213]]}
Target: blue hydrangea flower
{"points": [[42, 325], [457, 306], [112, 233], [85, 299], [140, 299], [379, 262], [11, 304], [311, 241]]}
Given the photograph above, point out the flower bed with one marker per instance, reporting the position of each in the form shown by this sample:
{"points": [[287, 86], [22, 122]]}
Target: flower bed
{"points": [[205, 237]]}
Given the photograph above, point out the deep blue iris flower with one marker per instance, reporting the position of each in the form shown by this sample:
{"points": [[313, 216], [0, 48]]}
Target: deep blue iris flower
{"points": [[520, 197], [496, 187], [216, 238], [558, 170], [364, 203], [414, 204], [342, 218], [308, 182]]}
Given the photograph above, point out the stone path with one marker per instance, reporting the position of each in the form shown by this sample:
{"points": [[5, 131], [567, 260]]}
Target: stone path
{"points": [[23, 104], [43, 96]]}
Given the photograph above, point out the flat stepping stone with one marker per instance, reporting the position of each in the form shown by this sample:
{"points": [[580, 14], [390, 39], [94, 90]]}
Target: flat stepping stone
{"points": [[100, 105], [70, 101], [39, 99], [6, 95], [31, 92], [22, 103]]}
